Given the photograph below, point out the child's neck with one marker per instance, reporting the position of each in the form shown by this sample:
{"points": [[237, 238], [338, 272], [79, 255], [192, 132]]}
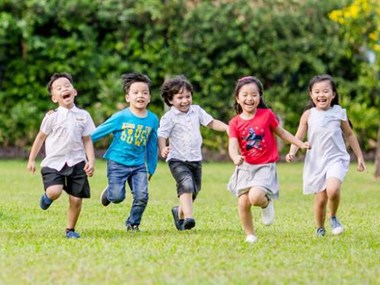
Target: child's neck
{"points": [[138, 112], [248, 116]]}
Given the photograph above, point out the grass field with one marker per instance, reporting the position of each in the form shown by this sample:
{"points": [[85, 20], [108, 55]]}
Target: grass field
{"points": [[33, 249]]}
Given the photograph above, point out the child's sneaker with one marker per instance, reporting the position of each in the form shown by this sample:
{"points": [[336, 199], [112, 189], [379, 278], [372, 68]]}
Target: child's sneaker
{"points": [[320, 232], [72, 234], [45, 202], [103, 198], [188, 223], [336, 226], [177, 222], [132, 228], [251, 239], [267, 214]]}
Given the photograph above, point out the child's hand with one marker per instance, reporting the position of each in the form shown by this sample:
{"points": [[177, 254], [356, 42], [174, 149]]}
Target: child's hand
{"points": [[89, 169], [238, 160], [289, 157], [361, 165], [31, 166], [165, 151], [305, 145]]}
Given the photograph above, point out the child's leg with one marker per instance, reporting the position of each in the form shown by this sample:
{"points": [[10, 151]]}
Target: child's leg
{"points": [[54, 192], [185, 209], [333, 194], [257, 197], [75, 207], [244, 208], [320, 202]]}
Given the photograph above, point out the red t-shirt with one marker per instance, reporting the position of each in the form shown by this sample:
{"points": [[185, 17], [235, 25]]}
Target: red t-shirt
{"points": [[255, 136]]}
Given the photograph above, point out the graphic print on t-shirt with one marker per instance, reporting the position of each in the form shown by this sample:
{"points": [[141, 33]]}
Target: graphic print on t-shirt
{"points": [[254, 140]]}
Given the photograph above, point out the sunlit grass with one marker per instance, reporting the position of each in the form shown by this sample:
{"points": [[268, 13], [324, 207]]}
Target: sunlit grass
{"points": [[33, 249]]}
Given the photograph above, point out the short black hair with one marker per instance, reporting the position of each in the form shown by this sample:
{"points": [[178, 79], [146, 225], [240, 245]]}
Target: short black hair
{"points": [[56, 76], [173, 86], [129, 78]]}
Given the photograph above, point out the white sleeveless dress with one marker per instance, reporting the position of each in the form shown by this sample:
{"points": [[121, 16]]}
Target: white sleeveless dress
{"points": [[328, 156]]}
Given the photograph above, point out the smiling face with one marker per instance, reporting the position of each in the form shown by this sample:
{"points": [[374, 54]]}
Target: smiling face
{"points": [[138, 96], [63, 92], [182, 100], [322, 95], [248, 98]]}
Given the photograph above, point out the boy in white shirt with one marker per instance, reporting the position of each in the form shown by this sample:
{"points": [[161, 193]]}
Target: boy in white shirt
{"points": [[181, 125], [69, 150]]}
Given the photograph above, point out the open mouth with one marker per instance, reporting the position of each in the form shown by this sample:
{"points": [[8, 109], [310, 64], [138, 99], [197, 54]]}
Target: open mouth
{"points": [[66, 96]]}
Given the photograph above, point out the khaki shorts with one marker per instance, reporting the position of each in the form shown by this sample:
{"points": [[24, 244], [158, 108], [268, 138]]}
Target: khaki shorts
{"points": [[246, 176]]}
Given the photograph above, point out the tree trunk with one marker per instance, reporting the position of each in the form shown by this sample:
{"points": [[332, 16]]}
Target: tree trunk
{"points": [[377, 156]]}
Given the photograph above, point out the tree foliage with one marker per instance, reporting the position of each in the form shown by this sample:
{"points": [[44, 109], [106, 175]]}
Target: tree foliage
{"points": [[213, 43]]}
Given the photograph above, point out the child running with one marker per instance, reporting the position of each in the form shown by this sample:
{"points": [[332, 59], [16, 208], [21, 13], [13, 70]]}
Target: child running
{"points": [[252, 148], [132, 156], [181, 125], [326, 164], [69, 151]]}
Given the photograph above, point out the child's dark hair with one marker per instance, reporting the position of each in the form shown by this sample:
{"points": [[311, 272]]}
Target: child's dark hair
{"points": [[129, 78], [174, 86], [319, 78], [248, 80], [55, 76]]}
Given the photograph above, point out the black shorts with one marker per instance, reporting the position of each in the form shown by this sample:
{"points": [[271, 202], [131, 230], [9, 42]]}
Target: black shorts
{"points": [[188, 175], [73, 178]]}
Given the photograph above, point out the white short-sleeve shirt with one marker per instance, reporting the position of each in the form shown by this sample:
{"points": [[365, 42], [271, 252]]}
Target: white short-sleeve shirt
{"points": [[183, 131], [65, 129]]}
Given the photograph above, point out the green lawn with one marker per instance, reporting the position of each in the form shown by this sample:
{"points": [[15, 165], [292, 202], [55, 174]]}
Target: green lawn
{"points": [[33, 249]]}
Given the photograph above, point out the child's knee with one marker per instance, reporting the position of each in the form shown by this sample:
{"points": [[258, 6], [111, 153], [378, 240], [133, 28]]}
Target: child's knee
{"points": [[116, 193]]}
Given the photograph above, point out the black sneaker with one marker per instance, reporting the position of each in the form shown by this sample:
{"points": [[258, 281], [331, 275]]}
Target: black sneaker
{"points": [[188, 224], [133, 228], [177, 222], [45, 202], [103, 198]]}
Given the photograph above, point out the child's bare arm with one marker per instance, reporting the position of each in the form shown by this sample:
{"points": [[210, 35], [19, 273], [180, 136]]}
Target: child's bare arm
{"points": [[353, 142], [164, 150], [37, 144], [233, 151], [218, 125], [300, 134], [89, 149]]}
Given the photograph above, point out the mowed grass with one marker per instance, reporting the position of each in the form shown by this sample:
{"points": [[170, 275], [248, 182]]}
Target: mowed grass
{"points": [[33, 249]]}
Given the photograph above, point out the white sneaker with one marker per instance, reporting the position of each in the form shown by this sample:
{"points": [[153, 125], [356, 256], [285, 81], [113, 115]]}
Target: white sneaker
{"points": [[267, 214], [251, 239]]}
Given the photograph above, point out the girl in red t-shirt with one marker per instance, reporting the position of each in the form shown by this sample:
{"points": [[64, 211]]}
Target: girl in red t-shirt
{"points": [[252, 147]]}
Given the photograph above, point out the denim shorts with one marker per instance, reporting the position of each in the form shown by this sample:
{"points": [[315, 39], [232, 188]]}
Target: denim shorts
{"points": [[188, 176], [73, 178]]}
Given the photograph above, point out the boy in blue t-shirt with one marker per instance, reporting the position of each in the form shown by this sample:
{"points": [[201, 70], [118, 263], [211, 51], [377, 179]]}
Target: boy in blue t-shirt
{"points": [[132, 156]]}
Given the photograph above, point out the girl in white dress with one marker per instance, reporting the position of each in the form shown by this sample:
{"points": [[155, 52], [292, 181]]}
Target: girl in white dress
{"points": [[327, 162]]}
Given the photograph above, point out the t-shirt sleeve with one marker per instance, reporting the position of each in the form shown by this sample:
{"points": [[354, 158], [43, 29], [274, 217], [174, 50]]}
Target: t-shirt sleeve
{"points": [[204, 117], [273, 120], [90, 126], [165, 127], [232, 128], [47, 124]]}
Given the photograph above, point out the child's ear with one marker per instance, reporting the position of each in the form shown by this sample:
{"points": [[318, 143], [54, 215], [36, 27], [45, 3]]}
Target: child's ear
{"points": [[54, 99], [126, 98]]}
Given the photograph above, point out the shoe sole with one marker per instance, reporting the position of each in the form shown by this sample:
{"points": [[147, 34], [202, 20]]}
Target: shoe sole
{"points": [[188, 224], [338, 231], [176, 218], [105, 202]]}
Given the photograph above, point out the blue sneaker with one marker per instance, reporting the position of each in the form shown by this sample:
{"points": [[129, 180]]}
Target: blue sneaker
{"points": [[72, 234], [320, 232], [177, 222], [336, 226], [45, 202]]}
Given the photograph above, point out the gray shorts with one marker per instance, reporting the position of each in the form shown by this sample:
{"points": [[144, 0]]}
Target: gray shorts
{"points": [[246, 176]]}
